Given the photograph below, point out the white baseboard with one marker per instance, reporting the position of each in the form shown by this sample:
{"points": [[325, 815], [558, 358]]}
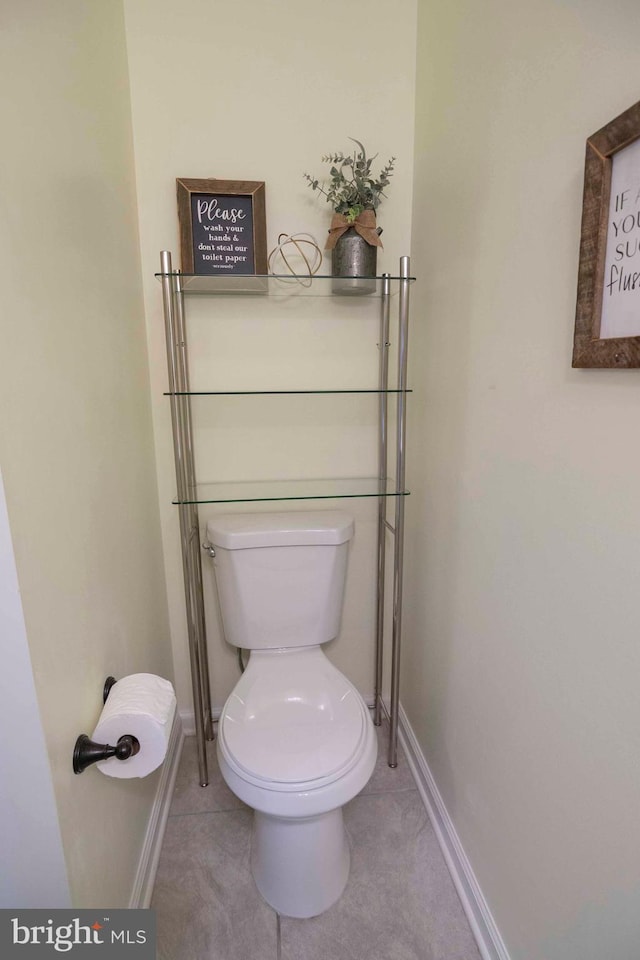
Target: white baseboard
{"points": [[148, 863], [475, 906], [188, 722], [188, 718]]}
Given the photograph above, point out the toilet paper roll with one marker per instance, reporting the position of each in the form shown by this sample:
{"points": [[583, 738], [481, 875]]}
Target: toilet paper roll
{"points": [[142, 705]]}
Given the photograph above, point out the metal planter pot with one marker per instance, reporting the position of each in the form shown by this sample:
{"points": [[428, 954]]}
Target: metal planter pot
{"points": [[352, 259]]}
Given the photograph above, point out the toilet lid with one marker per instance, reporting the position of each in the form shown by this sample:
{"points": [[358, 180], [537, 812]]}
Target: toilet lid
{"points": [[294, 725]]}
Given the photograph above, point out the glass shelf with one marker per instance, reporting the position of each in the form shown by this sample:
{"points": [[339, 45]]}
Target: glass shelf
{"points": [[274, 393], [277, 285], [261, 490]]}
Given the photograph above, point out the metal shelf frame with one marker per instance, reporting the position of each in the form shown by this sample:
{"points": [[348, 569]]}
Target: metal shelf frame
{"points": [[173, 295]]}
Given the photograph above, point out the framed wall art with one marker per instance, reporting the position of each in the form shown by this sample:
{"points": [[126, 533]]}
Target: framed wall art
{"points": [[607, 325], [222, 226]]}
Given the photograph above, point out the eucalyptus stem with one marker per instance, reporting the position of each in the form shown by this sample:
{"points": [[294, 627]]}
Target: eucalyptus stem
{"points": [[352, 188]]}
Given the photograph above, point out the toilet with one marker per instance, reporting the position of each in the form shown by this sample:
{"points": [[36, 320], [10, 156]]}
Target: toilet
{"points": [[295, 738]]}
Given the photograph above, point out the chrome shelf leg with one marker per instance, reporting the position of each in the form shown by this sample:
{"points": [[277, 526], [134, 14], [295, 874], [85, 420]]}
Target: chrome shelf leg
{"points": [[383, 382], [401, 433], [188, 514]]}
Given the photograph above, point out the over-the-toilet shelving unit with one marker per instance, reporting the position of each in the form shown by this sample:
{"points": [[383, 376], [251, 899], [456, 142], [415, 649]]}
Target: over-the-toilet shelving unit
{"points": [[177, 287]]}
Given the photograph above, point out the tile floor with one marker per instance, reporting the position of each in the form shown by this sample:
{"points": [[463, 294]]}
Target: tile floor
{"points": [[399, 904]]}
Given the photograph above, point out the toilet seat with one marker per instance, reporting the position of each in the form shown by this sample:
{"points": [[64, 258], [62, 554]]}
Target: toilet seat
{"points": [[293, 722]]}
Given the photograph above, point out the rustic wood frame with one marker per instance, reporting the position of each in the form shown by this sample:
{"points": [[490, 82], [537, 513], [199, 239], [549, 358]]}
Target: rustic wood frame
{"points": [[254, 189], [589, 350]]}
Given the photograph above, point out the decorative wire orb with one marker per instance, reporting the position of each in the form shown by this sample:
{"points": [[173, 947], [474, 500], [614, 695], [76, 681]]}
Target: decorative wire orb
{"points": [[297, 254]]}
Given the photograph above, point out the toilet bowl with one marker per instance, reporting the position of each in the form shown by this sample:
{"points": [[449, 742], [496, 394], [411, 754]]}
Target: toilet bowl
{"points": [[295, 738]]}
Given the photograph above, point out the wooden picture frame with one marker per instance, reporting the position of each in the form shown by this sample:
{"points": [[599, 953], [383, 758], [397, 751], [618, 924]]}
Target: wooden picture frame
{"points": [[609, 268], [222, 227]]}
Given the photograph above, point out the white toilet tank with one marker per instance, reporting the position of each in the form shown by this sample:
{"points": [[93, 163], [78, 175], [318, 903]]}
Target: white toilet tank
{"points": [[280, 576]]}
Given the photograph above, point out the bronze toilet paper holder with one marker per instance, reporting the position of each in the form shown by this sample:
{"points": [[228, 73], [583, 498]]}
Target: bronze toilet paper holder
{"points": [[86, 751]]}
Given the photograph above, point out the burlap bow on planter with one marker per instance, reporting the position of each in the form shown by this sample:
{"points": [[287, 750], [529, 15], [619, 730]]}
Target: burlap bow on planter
{"points": [[364, 225]]}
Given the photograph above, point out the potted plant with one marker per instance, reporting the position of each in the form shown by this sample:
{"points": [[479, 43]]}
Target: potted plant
{"points": [[355, 194]]}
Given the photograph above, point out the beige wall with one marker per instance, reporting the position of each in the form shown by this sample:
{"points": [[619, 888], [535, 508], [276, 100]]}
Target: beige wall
{"points": [[75, 433], [522, 621], [262, 93]]}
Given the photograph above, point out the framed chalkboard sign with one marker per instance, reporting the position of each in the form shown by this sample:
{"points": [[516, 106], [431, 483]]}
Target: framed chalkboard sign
{"points": [[222, 227], [607, 327]]}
